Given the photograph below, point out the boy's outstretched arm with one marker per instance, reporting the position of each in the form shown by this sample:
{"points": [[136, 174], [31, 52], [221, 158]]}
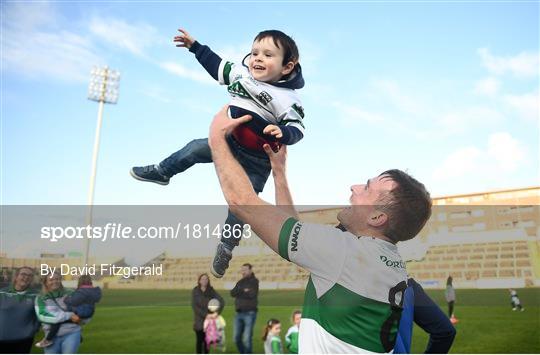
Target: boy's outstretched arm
{"points": [[266, 220], [208, 59]]}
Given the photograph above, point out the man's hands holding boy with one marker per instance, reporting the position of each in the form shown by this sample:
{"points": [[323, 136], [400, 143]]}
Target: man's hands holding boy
{"points": [[184, 40]]}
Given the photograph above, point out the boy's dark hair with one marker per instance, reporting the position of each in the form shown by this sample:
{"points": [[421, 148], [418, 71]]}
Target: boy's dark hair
{"points": [[408, 206], [283, 41], [84, 280]]}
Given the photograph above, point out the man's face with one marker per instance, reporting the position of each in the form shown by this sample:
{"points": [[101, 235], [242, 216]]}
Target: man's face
{"points": [[266, 61], [23, 279], [245, 271], [364, 199]]}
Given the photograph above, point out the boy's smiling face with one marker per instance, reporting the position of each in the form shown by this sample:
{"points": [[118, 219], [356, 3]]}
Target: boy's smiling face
{"points": [[266, 61]]}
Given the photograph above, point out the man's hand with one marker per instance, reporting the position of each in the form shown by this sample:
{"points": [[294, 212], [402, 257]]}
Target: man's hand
{"points": [[222, 125], [273, 130], [184, 40], [75, 318], [277, 159]]}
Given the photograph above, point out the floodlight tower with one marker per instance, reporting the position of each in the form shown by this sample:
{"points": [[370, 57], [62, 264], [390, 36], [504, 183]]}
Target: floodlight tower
{"points": [[103, 89]]}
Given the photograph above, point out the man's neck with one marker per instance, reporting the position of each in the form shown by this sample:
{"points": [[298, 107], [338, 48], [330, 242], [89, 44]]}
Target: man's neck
{"points": [[366, 233]]}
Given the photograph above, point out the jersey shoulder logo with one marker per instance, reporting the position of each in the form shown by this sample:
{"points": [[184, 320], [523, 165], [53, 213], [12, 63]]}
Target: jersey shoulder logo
{"points": [[264, 97], [294, 238], [236, 88]]}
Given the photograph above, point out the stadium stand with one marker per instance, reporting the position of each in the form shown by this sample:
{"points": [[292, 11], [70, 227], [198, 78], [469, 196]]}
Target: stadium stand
{"points": [[488, 239]]}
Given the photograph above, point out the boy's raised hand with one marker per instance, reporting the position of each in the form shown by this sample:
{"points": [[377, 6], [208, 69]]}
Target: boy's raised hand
{"points": [[184, 40], [273, 130]]}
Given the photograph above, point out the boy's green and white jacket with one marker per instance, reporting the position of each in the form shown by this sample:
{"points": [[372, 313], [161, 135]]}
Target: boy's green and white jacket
{"points": [[51, 309], [17, 318]]}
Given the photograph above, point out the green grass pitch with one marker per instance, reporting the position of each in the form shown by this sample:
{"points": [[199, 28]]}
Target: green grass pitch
{"points": [[160, 321]]}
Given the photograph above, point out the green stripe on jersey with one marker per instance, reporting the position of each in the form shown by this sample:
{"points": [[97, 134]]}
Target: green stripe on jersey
{"points": [[284, 235], [226, 72], [350, 317]]}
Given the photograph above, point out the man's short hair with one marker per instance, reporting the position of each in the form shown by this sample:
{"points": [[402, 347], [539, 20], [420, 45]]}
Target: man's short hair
{"points": [[283, 41], [248, 265], [408, 206], [19, 269]]}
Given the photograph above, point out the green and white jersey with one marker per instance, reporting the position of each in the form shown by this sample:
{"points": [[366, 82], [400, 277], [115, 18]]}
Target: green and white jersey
{"points": [[277, 105], [354, 295]]}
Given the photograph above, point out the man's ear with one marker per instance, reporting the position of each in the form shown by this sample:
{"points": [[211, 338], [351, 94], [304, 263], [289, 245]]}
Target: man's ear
{"points": [[287, 68], [377, 219]]}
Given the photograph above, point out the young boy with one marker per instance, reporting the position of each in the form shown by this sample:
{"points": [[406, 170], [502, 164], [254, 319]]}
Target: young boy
{"points": [[82, 302], [265, 90], [291, 338], [514, 299]]}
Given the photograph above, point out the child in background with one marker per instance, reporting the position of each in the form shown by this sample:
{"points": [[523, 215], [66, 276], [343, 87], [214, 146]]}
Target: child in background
{"points": [[291, 338], [516, 303], [272, 341], [214, 327], [82, 302], [264, 88]]}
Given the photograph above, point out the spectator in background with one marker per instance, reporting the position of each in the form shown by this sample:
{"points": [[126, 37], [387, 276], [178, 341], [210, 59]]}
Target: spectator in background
{"points": [[82, 302], [245, 291], [51, 308], [200, 296], [272, 341], [450, 295], [291, 338], [418, 306], [18, 321], [514, 299]]}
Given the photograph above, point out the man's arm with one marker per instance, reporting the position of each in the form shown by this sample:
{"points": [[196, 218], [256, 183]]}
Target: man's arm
{"points": [[235, 291], [432, 319], [283, 194], [266, 220]]}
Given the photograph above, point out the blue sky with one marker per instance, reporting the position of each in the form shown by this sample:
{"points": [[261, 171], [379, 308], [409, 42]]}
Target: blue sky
{"points": [[448, 91]]}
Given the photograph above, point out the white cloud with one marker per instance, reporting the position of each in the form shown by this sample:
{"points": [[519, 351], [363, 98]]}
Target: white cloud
{"points": [[460, 162], [463, 120], [503, 154], [39, 50], [196, 75], [524, 64], [526, 105], [157, 93], [135, 38], [488, 86], [393, 94], [352, 114], [507, 152]]}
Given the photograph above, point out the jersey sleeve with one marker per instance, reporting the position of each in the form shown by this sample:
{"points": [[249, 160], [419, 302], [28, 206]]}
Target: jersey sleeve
{"points": [[293, 116], [229, 72], [47, 315], [315, 247]]}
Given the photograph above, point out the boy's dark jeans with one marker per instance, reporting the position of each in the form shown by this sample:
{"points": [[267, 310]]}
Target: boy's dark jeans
{"points": [[198, 151], [84, 310]]}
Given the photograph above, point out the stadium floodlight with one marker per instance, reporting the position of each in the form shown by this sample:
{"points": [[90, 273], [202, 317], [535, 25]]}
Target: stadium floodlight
{"points": [[103, 88]]}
